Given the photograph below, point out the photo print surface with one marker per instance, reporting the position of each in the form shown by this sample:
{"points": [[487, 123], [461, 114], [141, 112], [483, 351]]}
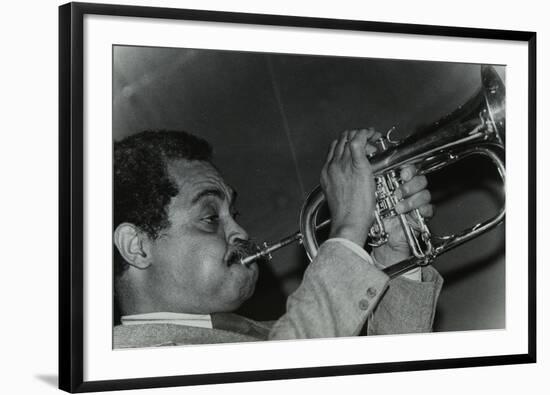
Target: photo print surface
{"points": [[214, 147]]}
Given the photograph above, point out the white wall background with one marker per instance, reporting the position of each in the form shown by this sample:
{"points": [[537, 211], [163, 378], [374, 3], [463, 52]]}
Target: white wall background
{"points": [[28, 201]]}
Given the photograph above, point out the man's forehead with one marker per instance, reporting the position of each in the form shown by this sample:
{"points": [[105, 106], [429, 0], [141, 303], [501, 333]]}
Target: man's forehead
{"points": [[195, 176]]}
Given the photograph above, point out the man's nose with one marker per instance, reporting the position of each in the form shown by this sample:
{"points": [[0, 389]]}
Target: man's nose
{"points": [[235, 232]]}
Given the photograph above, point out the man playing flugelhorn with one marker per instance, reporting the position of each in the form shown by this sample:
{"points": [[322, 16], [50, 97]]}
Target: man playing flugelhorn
{"points": [[178, 276]]}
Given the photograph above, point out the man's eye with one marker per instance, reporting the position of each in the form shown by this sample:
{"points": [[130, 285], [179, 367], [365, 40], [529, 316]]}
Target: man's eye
{"points": [[211, 219], [235, 214]]}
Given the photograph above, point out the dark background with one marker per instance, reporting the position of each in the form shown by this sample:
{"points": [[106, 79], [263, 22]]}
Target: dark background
{"points": [[271, 117]]}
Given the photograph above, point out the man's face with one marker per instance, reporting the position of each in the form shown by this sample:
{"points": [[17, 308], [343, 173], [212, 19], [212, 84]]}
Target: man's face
{"points": [[191, 271]]}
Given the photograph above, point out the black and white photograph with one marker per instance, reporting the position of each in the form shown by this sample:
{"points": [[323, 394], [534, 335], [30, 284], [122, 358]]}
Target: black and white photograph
{"points": [[273, 197], [249, 198]]}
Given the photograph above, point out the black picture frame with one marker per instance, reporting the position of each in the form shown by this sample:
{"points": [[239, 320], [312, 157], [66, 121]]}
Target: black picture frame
{"points": [[71, 196]]}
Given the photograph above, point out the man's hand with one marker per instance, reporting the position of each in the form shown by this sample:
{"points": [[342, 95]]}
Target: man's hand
{"points": [[348, 184], [415, 196]]}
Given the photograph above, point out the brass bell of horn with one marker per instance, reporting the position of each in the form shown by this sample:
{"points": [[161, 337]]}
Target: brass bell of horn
{"points": [[476, 128]]}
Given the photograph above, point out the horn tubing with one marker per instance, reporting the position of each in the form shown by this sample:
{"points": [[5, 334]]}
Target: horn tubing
{"points": [[475, 128]]}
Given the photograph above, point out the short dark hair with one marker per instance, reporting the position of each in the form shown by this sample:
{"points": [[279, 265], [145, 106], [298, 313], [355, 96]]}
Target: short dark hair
{"points": [[142, 187]]}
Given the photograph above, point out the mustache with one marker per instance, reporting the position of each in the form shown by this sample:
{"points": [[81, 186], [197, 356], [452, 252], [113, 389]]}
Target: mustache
{"points": [[241, 249]]}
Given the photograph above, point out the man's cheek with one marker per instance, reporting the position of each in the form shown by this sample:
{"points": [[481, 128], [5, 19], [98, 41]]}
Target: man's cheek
{"points": [[210, 249], [212, 272]]}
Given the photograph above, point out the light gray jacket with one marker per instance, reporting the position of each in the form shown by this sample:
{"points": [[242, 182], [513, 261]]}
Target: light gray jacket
{"points": [[341, 295]]}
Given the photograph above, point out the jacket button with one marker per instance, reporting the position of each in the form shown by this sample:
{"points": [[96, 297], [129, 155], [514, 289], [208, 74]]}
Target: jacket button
{"points": [[371, 292], [363, 304]]}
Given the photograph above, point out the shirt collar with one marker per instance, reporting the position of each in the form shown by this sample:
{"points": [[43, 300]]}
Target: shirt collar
{"points": [[197, 320]]}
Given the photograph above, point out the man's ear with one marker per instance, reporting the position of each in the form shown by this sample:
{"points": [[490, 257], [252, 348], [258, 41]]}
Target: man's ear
{"points": [[129, 241]]}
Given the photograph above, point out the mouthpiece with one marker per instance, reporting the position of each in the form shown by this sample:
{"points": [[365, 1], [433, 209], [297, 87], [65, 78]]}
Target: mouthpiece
{"points": [[265, 252]]}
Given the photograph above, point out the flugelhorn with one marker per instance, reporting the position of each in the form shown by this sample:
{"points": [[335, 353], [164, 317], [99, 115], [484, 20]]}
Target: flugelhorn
{"points": [[476, 128]]}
